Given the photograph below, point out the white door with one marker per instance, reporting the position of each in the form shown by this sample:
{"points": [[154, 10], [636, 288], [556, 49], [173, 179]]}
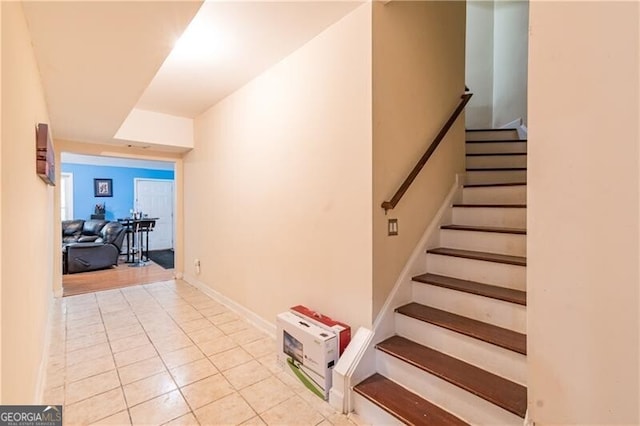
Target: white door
{"points": [[154, 197]]}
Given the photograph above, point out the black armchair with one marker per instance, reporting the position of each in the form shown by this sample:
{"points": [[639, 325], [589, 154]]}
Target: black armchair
{"points": [[100, 254]]}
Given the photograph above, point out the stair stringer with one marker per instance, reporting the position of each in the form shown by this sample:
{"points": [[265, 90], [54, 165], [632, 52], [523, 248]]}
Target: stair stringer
{"points": [[402, 293]]}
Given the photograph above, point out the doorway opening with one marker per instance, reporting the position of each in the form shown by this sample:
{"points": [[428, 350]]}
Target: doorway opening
{"points": [[145, 186]]}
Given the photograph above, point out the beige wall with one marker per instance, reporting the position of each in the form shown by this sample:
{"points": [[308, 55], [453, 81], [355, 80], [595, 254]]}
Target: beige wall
{"points": [[27, 215], [510, 26], [479, 63], [582, 273], [496, 62], [418, 78], [278, 187], [1, 181]]}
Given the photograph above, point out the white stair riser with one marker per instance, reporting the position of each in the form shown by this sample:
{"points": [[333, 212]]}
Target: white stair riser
{"points": [[496, 147], [492, 176], [370, 414], [457, 401], [496, 161], [490, 134], [492, 311], [500, 274], [490, 216], [516, 194], [492, 242], [500, 361]]}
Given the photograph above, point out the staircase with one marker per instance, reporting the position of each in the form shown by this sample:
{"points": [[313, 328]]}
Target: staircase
{"points": [[459, 353]]}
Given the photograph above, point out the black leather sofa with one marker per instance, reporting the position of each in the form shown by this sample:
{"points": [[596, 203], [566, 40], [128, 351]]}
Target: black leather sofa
{"points": [[81, 231], [90, 245]]}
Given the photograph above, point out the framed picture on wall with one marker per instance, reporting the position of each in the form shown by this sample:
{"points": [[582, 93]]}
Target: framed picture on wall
{"points": [[103, 187]]}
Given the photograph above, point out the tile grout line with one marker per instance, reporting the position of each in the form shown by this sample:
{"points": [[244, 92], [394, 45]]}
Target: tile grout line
{"points": [[236, 391], [124, 395], [101, 393], [221, 372], [155, 349], [190, 297], [191, 411], [271, 375], [133, 310], [295, 394]]}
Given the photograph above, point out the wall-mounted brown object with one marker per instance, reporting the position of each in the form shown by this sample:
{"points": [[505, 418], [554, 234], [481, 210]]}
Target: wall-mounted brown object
{"points": [[45, 157]]}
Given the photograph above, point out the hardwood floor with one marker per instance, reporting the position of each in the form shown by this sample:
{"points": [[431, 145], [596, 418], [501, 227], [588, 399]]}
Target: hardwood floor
{"points": [[121, 276]]}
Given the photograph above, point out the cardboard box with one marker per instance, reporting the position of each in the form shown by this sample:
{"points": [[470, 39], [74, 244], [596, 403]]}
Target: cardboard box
{"points": [[307, 352], [342, 330]]}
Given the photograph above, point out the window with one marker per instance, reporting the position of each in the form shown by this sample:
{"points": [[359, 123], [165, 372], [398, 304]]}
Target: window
{"points": [[66, 196]]}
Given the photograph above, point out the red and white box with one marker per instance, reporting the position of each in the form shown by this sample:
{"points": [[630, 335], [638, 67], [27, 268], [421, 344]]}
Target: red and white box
{"points": [[342, 330], [307, 352]]}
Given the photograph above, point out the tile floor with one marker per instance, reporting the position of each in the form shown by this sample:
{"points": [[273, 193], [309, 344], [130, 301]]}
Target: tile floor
{"points": [[166, 353]]}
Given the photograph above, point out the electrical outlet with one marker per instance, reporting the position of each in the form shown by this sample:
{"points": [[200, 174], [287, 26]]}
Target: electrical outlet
{"points": [[196, 263], [392, 227]]}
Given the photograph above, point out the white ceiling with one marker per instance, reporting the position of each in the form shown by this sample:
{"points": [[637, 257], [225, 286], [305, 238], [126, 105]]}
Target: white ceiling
{"points": [[96, 58], [238, 41], [100, 59]]}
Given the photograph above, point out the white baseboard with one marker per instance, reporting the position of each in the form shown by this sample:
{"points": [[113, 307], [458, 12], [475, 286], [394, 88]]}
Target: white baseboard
{"points": [[517, 124], [523, 132], [513, 124], [250, 316], [44, 362], [337, 400]]}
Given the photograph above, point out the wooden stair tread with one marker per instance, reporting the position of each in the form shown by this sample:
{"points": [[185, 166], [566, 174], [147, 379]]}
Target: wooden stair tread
{"points": [[496, 169], [495, 389], [500, 293], [498, 141], [498, 206], [479, 185], [488, 129], [480, 255], [404, 404], [494, 229], [495, 154], [489, 333]]}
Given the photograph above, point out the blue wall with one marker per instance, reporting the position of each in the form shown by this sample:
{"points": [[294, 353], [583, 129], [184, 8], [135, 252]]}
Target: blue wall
{"points": [[122, 201]]}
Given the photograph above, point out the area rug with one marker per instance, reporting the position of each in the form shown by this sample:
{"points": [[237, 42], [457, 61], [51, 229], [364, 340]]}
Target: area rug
{"points": [[163, 258]]}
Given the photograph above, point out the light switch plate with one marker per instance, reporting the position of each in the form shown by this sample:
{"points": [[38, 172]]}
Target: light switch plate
{"points": [[392, 227]]}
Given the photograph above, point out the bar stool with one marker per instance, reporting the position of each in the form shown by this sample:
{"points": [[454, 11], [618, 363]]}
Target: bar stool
{"points": [[128, 246], [140, 230]]}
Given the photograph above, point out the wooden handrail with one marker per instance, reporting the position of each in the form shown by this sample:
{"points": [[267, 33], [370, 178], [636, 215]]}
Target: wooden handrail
{"points": [[388, 205]]}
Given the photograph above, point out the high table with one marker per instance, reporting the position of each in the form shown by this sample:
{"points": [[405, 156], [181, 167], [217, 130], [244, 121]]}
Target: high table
{"points": [[137, 230]]}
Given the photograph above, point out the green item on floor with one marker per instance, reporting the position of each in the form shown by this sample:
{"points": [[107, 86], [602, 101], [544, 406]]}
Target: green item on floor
{"points": [[309, 384]]}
